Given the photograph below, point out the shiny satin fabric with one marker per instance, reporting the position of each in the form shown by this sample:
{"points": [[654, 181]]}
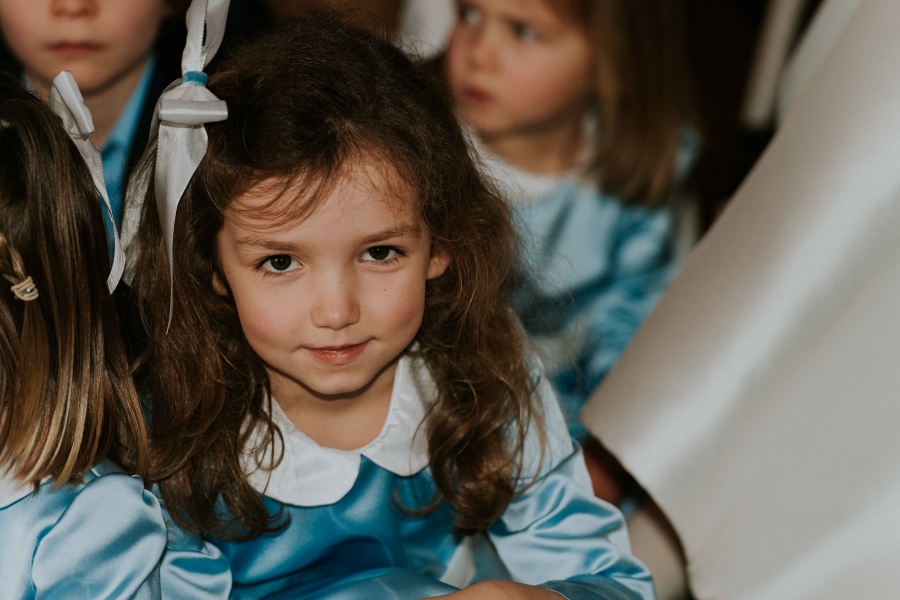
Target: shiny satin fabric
{"points": [[177, 131], [100, 540], [595, 268], [365, 543], [758, 404]]}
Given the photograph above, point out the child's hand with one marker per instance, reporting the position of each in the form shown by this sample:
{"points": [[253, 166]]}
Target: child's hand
{"points": [[502, 590], [610, 480]]}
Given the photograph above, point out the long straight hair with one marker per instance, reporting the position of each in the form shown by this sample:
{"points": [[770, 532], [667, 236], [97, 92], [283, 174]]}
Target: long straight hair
{"points": [[642, 87], [67, 400]]}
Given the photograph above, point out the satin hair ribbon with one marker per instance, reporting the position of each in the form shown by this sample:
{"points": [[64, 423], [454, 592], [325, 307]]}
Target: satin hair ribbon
{"points": [[183, 109], [66, 101]]}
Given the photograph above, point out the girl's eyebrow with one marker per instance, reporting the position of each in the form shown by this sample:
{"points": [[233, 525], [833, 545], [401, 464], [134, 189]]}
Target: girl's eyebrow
{"points": [[411, 231], [267, 244], [404, 231]]}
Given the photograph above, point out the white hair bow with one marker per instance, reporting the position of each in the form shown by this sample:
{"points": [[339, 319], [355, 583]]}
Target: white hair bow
{"points": [[66, 101], [183, 109]]}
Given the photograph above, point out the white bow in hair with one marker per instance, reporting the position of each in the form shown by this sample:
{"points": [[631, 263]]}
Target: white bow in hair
{"points": [[66, 101], [181, 113]]}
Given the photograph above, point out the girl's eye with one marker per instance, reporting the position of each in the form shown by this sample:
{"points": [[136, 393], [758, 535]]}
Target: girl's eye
{"points": [[280, 263], [380, 253], [469, 15], [525, 33]]}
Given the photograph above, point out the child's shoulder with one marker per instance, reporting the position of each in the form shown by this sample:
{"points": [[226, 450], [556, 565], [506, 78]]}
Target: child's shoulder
{"points": [[107, 499], [110, 508], [109, 521]]}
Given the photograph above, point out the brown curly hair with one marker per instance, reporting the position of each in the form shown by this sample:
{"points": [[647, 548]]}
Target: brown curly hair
{"points": [[67, 400], [303, 100]]}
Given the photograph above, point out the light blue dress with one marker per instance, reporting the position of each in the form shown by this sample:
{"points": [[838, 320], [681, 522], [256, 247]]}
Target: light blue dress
{"points": [[347, 536], [102, 539], [593, 270]]}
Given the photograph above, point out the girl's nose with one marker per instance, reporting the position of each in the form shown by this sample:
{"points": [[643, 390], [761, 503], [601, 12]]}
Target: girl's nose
{"points": [[74, 8], [481, 54], [335, 305]]}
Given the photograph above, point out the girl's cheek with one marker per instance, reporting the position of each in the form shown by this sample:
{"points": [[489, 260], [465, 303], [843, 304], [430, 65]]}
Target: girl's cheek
{"points": [[21, 27], [550, 84], [269, 314], [137, 19], [135, 26], [399, 304], [454, 62]]}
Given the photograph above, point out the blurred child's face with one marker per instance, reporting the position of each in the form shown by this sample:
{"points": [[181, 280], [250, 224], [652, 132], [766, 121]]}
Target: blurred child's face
{"points": [[98, 40], [516, 65], [328, 302]]}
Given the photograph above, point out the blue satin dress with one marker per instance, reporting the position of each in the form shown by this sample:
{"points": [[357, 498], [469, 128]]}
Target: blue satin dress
{"points": [[348, 536], [102, 539], [594, 269]]}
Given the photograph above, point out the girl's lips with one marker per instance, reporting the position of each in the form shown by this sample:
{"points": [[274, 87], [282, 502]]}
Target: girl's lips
{"points": [[476, 95], [69, 49], [337, 355]]}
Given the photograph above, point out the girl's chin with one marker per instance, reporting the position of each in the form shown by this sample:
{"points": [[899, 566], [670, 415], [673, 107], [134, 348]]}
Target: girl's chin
{"points": [[488, 128], [337, 390]]}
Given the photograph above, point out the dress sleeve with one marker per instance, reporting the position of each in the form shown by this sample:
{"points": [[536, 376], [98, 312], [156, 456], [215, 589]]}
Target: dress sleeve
{"points": [[642, 266], [192, 568], [107, 544], [557, 535]]}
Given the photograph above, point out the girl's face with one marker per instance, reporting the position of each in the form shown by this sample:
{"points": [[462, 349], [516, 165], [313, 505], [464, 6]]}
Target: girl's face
{"points": [[517, 65], [328, 302], [98, 40]]}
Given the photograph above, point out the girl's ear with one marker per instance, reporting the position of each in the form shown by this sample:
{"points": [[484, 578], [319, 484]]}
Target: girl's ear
{"points": [[218, 283], [438, 263]]}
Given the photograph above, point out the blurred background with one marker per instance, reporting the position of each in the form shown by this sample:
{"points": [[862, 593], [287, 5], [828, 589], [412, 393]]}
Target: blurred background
{"points": [[736, 51]]}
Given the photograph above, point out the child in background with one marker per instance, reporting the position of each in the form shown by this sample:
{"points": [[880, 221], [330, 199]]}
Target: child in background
{"points": [[581, 113], [111, 47], [340, 388], [75, 520]]}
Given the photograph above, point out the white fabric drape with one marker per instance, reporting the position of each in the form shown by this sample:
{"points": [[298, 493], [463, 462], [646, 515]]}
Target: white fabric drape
{"points": [[759, 403], [817, 42]]}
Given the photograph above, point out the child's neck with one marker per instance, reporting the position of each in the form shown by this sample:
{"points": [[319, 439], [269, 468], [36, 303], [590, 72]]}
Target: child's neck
{"points": [[345, 421], [106, 104], [551, 149]]}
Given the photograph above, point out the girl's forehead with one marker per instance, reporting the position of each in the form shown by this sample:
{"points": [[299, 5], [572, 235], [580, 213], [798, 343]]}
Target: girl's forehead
{"points": [[550, 10], [364, 195]]}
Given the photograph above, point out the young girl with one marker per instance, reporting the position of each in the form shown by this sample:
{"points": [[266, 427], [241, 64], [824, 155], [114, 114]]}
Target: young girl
{"points": [[75, 520], [580, 111], [342, 402]]}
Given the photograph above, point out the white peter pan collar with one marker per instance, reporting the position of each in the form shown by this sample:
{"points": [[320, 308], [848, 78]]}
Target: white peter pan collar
{"points": [[314, 475], [523, 187]]}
